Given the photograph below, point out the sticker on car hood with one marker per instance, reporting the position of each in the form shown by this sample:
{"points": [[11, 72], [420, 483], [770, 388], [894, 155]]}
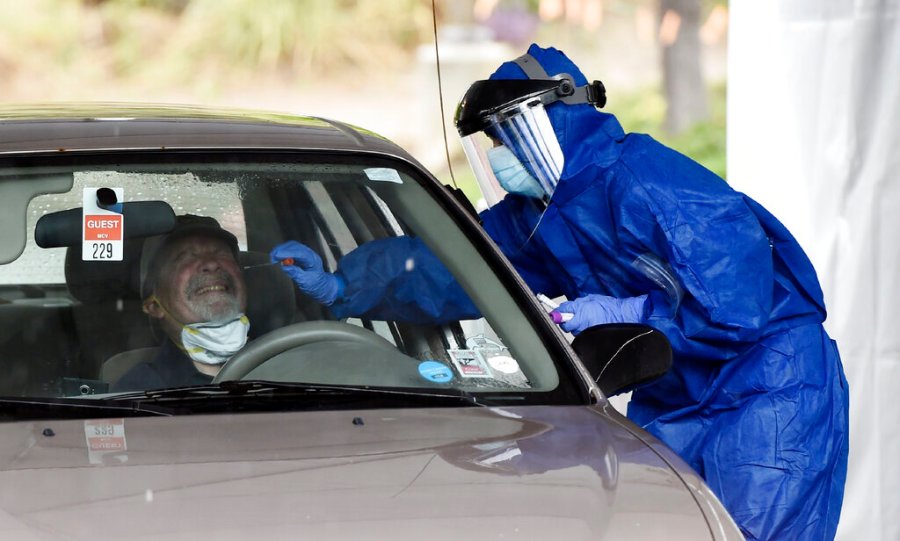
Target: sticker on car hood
{"points": [[105, 437]]}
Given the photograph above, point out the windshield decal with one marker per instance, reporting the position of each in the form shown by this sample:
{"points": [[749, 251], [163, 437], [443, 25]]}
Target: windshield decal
{"points": [[435, 371], [469, 363], [503, 363], [383, 174]]}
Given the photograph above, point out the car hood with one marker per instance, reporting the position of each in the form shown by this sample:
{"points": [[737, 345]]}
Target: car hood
{"points": [[474, 473]]}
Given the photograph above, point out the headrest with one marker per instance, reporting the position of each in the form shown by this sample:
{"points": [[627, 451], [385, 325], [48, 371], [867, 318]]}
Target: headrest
{"points": [[101, 281]]}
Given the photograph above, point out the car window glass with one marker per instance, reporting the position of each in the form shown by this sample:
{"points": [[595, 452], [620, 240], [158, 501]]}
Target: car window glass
{"points": [[84, 314], [184, 192]]}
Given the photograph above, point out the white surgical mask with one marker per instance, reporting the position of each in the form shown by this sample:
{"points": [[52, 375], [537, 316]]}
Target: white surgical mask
{"points": [[215, 343], [511, 174]]}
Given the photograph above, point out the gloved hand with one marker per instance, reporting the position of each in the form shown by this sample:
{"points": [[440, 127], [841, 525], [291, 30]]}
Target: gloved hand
{"points": [[593, 310], [308, 272]]}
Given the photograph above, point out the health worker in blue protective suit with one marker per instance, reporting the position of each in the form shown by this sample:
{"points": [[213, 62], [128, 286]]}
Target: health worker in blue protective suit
{"points": [[632, 231]]}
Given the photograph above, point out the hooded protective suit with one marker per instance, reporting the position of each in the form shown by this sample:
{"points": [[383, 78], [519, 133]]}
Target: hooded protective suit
{"points": [[756, 400]]}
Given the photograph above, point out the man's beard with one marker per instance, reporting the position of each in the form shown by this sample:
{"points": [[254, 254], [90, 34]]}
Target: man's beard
{"points": [[217, 306]]}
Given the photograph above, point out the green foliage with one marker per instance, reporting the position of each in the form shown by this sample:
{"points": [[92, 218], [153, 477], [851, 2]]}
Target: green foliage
{"points": [[167, 42], [131, 31], [174, 6], [301, 34], [39, 31]]}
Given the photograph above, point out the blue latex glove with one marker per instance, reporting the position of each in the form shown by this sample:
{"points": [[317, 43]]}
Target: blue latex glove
{"points": [[308, 272], [593, 310]]}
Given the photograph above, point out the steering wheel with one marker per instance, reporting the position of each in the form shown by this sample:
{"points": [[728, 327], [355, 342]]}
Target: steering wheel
{"points": [[299, 334]]}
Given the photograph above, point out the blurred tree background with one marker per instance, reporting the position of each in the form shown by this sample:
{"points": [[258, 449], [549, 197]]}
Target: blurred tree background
{"points": [[370, 62]]}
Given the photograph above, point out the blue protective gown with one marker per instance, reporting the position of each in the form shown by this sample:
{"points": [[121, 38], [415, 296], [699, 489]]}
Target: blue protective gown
{"points": [[756, 400]]}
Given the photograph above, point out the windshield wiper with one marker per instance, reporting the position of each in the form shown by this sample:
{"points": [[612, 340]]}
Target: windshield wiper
{"points": [[272, 395], [232, 396], [21, 409]]}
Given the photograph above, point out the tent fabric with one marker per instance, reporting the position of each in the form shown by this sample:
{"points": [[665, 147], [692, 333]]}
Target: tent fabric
{"points": [[813, 133], [756, 399]]}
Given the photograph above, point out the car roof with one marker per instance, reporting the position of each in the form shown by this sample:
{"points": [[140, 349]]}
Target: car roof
{"points": [[42, 128]]}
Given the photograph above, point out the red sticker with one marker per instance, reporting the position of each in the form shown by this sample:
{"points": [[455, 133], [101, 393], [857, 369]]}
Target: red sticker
{"points": [[105, 434], [103, 227]]}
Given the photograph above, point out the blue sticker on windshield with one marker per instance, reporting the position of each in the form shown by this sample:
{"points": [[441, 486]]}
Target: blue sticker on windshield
{"points": [[435, 371]]}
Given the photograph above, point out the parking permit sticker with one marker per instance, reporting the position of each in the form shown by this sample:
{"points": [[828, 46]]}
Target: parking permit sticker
{"points": [[104, 437], [383, 174], [469, 363], [435, 371], [103, 224]]}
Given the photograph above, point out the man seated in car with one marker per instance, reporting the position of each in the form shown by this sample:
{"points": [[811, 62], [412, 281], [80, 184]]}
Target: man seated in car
{"points": [[192, 285]]}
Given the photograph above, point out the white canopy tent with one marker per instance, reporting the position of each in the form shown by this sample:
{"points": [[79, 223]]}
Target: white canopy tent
{"points": [[814, 135]]}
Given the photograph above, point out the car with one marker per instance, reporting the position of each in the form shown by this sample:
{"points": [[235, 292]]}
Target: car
{"points": [[320, 427]]}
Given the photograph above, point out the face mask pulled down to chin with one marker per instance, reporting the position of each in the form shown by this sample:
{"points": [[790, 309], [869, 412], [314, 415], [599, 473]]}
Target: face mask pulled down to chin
{"points": [[213, 343]]}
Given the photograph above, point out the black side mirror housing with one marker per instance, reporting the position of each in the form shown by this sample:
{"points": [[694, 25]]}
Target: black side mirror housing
{"points": [[623, 356]]}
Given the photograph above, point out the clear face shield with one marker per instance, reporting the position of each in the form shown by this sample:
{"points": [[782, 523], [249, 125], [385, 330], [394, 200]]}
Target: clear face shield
{"points": [[516, 152], [507, 136]]}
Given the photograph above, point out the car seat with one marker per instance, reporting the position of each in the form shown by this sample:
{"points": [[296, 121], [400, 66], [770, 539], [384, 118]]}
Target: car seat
{"points": [[108, 317], [37, 347]]}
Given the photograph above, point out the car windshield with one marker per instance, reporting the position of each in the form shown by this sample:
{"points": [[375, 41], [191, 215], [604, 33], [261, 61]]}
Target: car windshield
{"points": [[74, 317]]}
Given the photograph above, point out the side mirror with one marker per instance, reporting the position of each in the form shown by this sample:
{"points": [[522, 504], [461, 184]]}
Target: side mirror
{"points": [[622, 356]]}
